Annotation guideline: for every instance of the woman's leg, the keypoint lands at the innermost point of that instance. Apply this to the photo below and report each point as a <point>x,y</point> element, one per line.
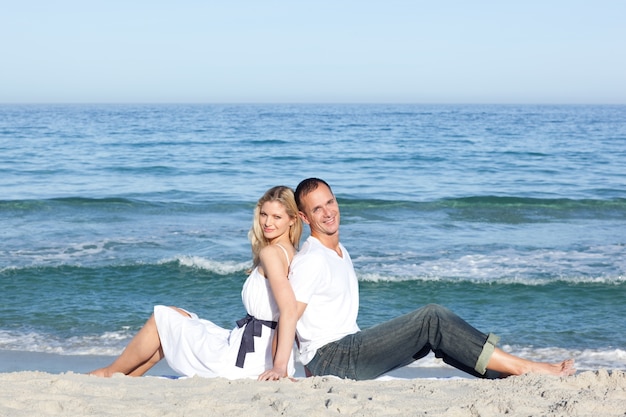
<point>145,367</point>
<point>142,353</point>
<point>139,355</point>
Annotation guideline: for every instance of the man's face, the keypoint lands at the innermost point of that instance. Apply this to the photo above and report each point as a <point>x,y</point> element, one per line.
<point>321,212</point>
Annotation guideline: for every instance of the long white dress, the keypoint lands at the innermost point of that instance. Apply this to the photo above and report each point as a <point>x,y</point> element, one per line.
<point>194,346</point>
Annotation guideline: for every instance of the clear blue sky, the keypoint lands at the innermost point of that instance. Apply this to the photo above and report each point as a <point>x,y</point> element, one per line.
<point>500,51</point>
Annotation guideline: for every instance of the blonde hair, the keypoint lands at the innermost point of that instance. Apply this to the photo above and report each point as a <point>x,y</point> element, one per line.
<point>285,196</point>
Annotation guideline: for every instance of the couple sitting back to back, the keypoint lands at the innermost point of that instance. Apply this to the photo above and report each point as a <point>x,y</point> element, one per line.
<point>313,297</point>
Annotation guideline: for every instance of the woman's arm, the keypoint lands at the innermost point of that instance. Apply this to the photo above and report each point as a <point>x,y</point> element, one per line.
<point>275,268</point>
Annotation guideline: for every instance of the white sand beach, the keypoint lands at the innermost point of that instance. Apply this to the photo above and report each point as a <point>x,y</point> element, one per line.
<point>33,393</point>
<point>44,384</point>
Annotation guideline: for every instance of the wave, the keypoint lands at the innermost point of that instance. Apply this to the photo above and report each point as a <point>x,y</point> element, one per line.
<point>586,359</point>
<point>112,344</point>
<point>508,201</point>
<point>619,280</point>
<point>108,343</point>
<point>170,202</point>
<point>68,202</point>
<point>595,265</point>
<point>61,254</point>
<point>603,264</point>
<point>348,201</point>
<point>482,201</point>
<point>504,210</point>
<point>226,267</point>
<point>217,267</point>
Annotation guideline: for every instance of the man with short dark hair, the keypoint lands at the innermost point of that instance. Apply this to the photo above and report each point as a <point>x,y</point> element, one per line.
<point>327,292</point>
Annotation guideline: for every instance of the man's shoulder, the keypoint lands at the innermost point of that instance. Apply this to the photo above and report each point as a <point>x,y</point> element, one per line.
<point>311,247</point>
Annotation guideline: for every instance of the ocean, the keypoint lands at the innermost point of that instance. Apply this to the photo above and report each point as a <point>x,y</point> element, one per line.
<point>513,216</point>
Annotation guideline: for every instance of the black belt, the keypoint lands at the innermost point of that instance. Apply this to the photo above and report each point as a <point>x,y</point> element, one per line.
<point>253,328</point>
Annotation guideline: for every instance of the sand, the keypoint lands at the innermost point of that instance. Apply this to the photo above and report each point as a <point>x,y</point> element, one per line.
<point>33,393</point>
<point>45,384</point>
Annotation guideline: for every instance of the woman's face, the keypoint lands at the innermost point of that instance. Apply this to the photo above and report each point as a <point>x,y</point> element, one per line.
<point>274,220</point>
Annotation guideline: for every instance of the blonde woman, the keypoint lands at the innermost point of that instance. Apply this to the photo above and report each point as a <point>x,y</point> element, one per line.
<point>258,347</point>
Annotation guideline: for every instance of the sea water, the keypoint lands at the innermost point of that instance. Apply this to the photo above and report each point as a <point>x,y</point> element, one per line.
<point>513,216</point>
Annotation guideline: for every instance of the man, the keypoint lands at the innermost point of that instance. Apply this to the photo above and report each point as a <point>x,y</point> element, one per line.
<point>331,343</point>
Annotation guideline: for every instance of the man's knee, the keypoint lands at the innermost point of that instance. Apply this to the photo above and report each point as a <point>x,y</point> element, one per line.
<point>435,310</point>
<point>434,313</point>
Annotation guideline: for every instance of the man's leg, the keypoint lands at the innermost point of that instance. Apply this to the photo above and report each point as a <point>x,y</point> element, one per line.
<point>398,342</point>
<point>412,336</point>
<point>507,364</point>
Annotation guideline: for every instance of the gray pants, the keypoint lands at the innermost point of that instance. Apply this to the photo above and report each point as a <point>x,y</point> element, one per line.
<point>398,342</point>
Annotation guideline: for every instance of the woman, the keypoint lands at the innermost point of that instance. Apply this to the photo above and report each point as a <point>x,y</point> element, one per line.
<point>257,347</point>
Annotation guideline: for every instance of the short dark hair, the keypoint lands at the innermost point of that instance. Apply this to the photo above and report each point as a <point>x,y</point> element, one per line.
<point>305,187</point>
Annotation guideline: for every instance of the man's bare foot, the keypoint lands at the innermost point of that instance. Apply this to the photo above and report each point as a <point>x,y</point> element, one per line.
<point>506,365</point>
<point>565,368</point>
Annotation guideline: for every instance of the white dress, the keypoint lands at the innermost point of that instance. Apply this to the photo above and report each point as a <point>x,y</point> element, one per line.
<point>194,346</point>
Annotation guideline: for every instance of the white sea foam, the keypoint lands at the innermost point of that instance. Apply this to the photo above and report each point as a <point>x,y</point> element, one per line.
<point>108,343</point>
<point>506,266</point>
<point>112,344</point>
<point>219,267</point>
<point>587,359</point>
<point>72,253</point>
<point>381,277</point>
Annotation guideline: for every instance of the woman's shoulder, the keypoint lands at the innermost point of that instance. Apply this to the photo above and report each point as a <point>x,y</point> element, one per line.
<point>281,251</point>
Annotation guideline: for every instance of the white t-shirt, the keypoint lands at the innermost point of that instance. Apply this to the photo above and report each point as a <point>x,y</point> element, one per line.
<point>328,285</point>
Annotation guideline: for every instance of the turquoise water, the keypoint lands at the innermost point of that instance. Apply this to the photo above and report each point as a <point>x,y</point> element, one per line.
<point>513,216</point>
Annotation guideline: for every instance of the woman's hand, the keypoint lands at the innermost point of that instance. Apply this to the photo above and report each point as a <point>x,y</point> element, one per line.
<point>274,374</point>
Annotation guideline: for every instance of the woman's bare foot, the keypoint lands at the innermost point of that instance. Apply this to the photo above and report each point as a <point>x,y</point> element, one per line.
<point>99,372</point>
